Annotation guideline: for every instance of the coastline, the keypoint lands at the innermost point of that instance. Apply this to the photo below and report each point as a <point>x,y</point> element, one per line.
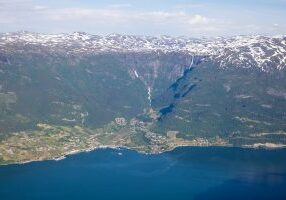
<point>266,146</point>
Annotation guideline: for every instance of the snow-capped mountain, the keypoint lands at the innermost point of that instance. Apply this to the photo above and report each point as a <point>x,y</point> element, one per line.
<point>263,52</point>
<point>198,88</point>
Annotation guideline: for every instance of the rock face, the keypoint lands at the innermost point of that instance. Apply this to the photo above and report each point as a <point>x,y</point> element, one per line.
<point>230,88</point>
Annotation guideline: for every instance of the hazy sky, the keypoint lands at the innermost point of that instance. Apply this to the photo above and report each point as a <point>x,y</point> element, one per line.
<point>149,17</point>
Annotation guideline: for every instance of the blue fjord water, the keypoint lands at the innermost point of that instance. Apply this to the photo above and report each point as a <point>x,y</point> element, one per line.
<point>185,173</point>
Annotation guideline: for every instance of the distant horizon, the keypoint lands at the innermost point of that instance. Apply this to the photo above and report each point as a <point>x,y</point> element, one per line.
<point>208,18</point>
<point>142,35</point>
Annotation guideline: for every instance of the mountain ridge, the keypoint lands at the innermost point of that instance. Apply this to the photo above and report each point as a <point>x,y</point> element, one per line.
<point>263,52</point>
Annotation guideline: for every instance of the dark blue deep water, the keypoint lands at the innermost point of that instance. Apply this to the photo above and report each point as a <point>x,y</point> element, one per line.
<point>185,173</point>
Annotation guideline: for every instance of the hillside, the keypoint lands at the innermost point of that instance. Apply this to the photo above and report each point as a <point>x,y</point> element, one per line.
<point>71,92</point>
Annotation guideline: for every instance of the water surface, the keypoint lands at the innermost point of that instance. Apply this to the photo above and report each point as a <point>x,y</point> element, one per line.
<point>185,173</point>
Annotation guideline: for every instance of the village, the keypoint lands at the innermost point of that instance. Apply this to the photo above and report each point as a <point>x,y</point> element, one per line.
<point>54,142</point>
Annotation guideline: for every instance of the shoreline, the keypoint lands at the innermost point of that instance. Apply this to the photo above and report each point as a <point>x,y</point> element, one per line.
<point>266,146</point>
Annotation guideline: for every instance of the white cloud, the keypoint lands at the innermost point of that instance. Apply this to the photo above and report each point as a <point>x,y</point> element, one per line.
<point>124,5</point>
<point>188,19</point>
<point>39,8</point>
<point>109,19</point>
<point>199,20</point>
<point>129,21</point>
<point>118,15</point>
<point>188,6</point>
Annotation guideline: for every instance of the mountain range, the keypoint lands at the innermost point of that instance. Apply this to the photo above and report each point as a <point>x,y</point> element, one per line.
<point>146,93</point>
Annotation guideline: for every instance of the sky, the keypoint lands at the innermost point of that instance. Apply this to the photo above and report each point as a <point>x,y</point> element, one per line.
<point>192,18</point>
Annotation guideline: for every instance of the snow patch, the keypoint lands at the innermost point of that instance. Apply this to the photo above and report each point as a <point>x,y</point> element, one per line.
<point>241,51</point>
